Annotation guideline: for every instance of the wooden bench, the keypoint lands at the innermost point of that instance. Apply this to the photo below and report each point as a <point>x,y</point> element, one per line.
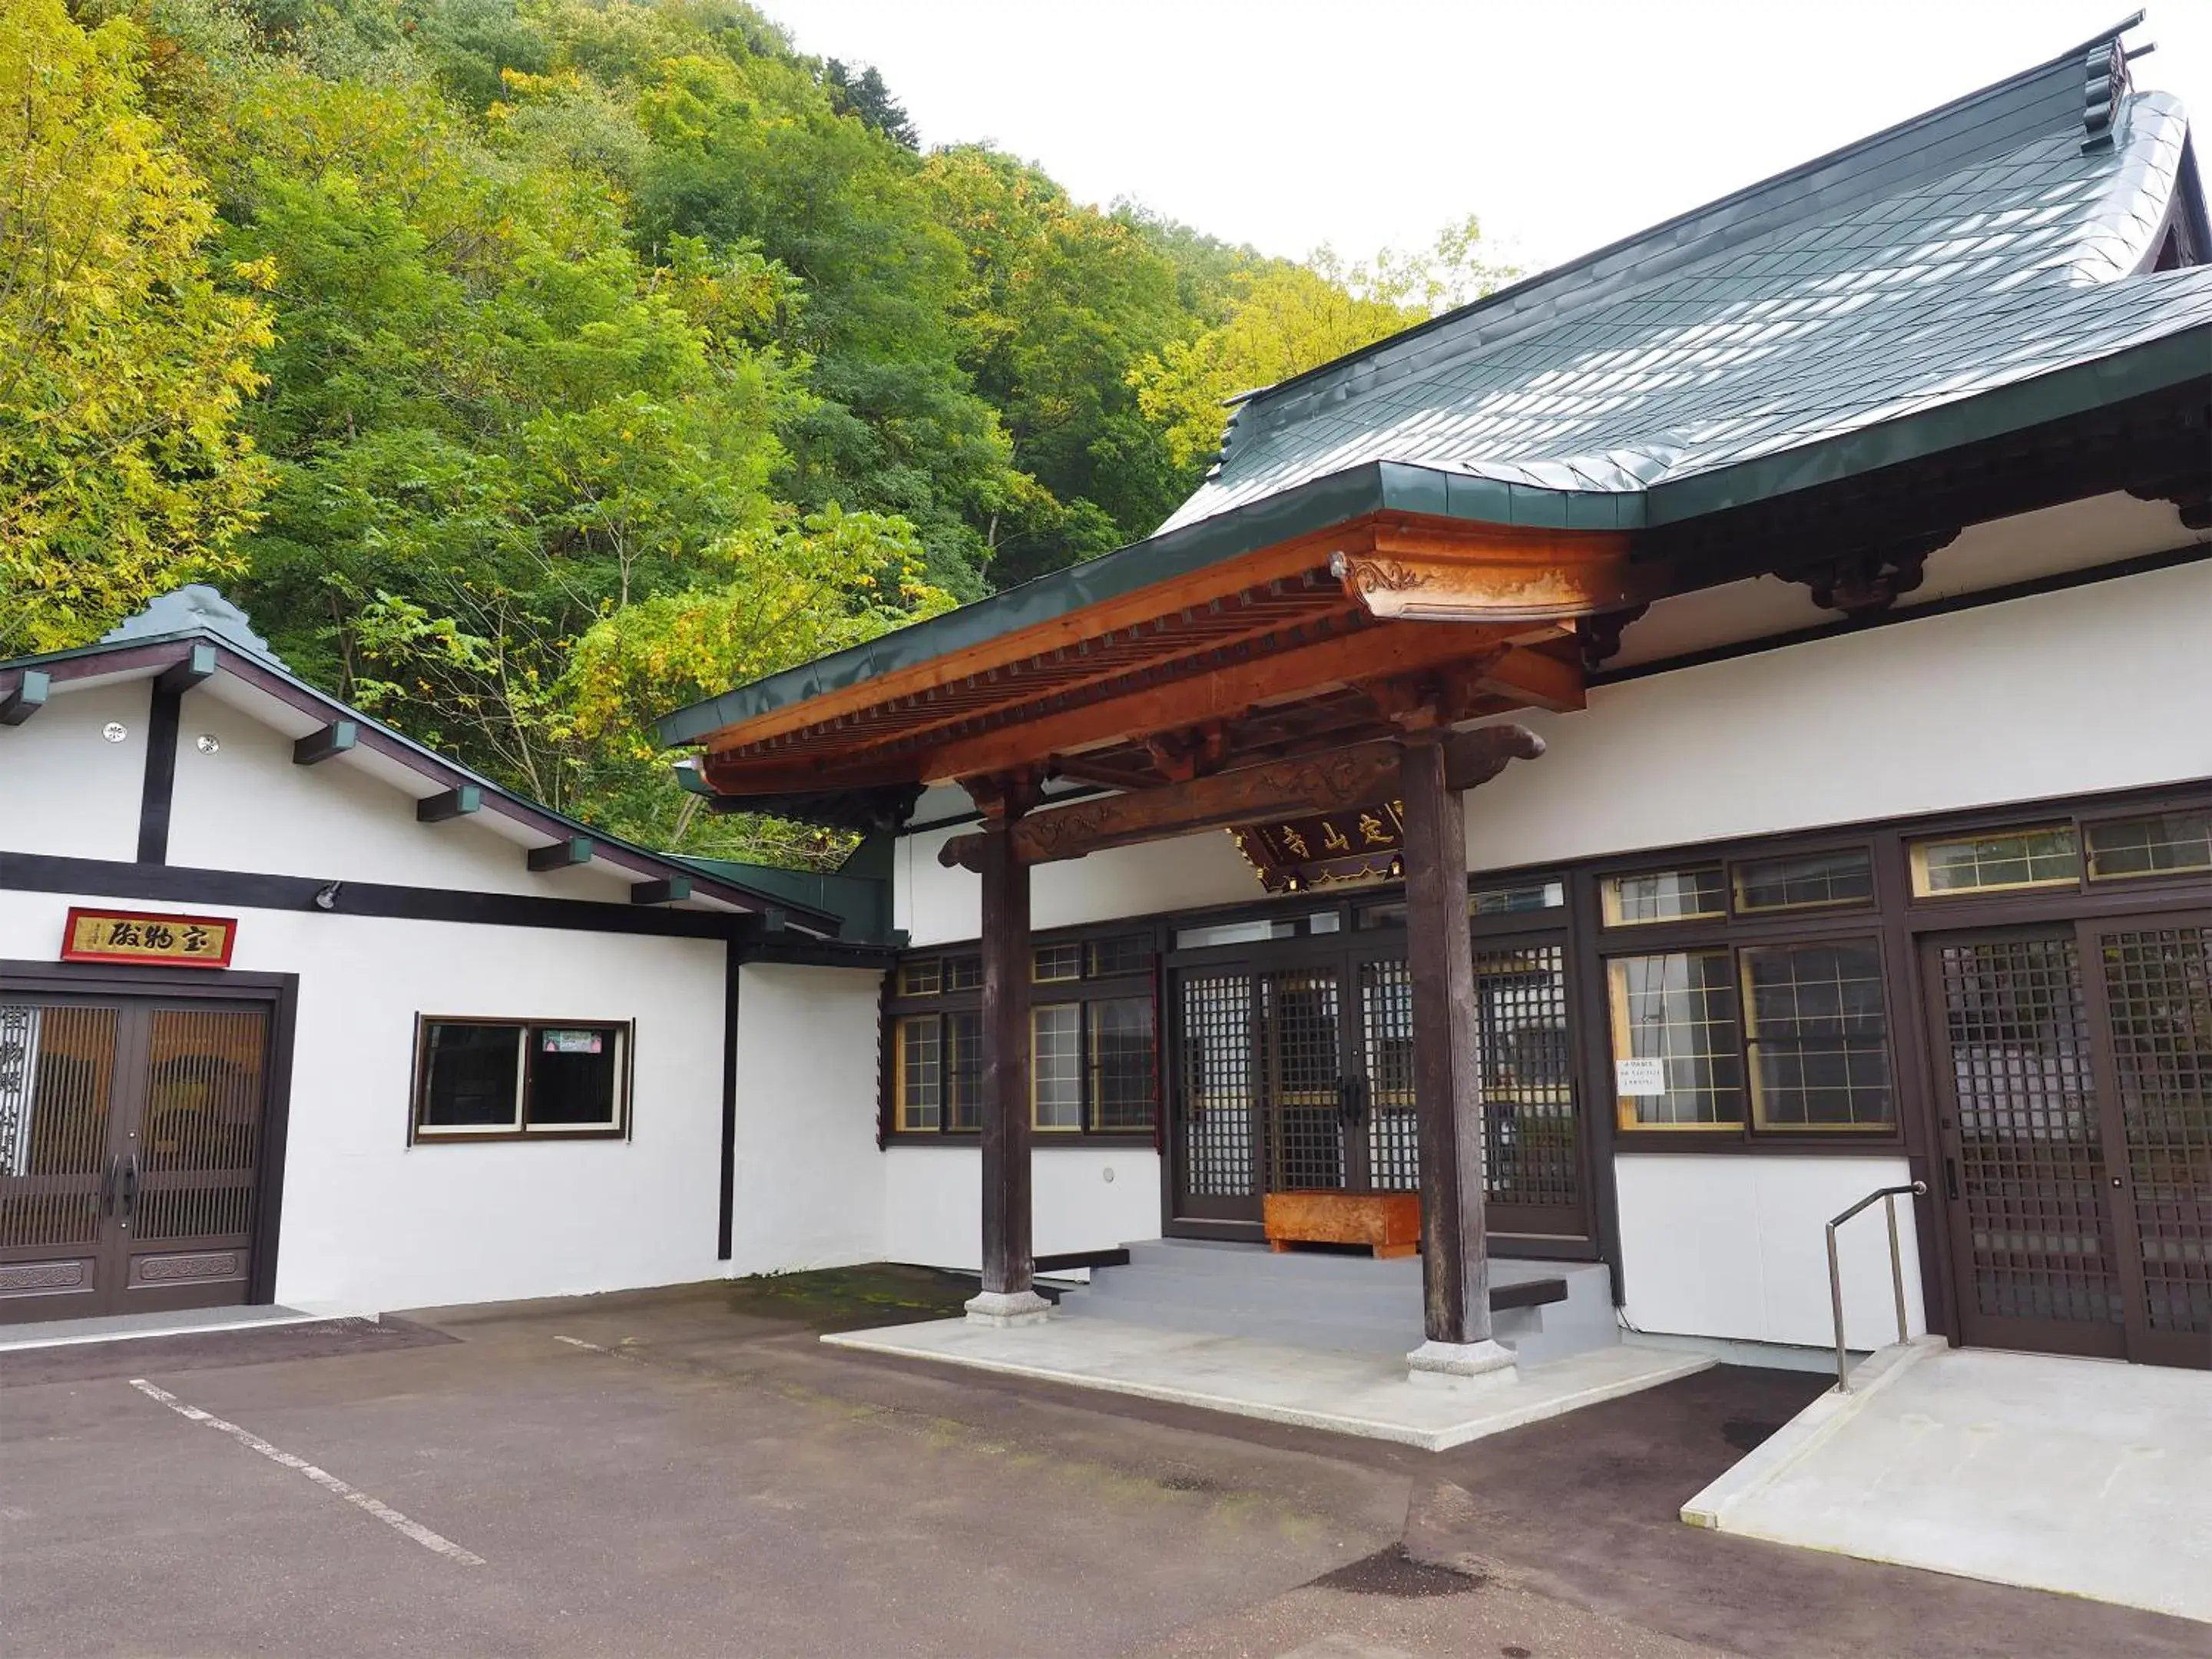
<point>1389,1223</point>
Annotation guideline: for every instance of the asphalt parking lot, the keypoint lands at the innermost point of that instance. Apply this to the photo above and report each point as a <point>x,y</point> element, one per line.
<point>691,1472</point>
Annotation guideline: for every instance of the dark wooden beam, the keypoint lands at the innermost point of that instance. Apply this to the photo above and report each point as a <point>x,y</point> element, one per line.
<point>1447,1084</point>
<point>1084,770</point>
<point>319,746</point>
<point>1007,1297</point>
<point>672,891</point>
<point>561,854</point>
<point>25,697</point>
<point>1327,782</point>
<point>452,804</point>
<point>188,671</point>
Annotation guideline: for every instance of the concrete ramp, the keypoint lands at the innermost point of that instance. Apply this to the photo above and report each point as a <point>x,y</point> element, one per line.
<point>2087,1477</point>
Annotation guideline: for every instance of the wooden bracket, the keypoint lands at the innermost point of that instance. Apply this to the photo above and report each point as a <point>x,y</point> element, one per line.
<point>574,850</point>
<point>1196,752</point>
<point>196,664</point>
<point>1006,795</point>
<point>672,891</point>
<point>319,746</point>
<point>452,804</point>
<point>25,697</point>
<point>1599,636</point>
<point>1865,583</point>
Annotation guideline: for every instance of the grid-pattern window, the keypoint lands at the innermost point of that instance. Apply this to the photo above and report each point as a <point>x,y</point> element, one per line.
<point>919,1086</point>
<point>2169,843</point>
<point>1665,896</point>
<point>1679,1009</point>
<point>1054,963</point>
<point>963,973</point>
<point>1808,881</point>
<point>1056,1065</point>
<point>1123,954</point>
<point>1518,901</point>
<point>2016,858</point>
<point>963,1054</point>
<point>1817,1036</point>
<point>922,977</point>
<point>1124,1064</point>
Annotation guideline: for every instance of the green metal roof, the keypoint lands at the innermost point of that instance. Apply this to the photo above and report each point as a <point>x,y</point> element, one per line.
<point>1974,271</point>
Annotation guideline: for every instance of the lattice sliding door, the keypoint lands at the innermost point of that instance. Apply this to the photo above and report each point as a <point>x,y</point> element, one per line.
<point>2158,1004</point>
<point>2038,1263</point>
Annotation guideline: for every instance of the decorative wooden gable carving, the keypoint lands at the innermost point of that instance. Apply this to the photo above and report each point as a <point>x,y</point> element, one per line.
<point>1363,843</point>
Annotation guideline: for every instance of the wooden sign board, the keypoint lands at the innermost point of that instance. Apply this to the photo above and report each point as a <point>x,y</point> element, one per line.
<point>1296,855</point>
<point>135,936</point>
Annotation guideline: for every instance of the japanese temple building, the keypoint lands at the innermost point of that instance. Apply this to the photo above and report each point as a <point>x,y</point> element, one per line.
<point>1639,762</point>
<point>1591,786</point>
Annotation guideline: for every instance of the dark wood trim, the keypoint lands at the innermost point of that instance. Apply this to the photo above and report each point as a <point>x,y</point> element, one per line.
<point>673,890</point>
<point>726,1179</point>
<point>2058,582</point>
<point>197,664</point>
<point>280,994</point>
<point>1072,1259</point>
<point>165,713</point>
<point>562,854</point>
<point>1006,1139</point>
<point>456,803</point>
<point>231,888</point>
<point>1041,1140</point>
<point>331,741</point>
<point>25,697</point>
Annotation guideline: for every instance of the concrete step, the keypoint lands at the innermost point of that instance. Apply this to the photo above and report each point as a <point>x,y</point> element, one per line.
<point>1326,1299</point>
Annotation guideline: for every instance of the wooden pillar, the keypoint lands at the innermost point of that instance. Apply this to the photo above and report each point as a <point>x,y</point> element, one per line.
<point>1447,1086</point>
<point>1007,1298</point>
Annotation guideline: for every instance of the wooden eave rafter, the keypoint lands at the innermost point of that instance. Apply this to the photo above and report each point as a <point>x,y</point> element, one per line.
<point>1359,606</point>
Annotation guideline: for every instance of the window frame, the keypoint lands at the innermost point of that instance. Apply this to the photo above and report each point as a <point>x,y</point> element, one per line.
<point>625,1078</point>
<point>1083,991</point>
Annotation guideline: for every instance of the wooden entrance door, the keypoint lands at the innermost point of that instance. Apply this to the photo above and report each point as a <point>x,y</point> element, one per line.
<point>130,1135</point>
<point>2074,1079</point>
<point>1532,1132</point>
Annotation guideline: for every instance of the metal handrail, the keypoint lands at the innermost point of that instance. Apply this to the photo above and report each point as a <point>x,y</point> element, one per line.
<point>1890,1195</point>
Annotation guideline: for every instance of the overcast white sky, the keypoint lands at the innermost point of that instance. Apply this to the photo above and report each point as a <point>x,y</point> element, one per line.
<point>1565,124</point>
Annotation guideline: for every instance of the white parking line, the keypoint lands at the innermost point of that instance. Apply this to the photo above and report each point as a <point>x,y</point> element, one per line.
<point>323,1478</point>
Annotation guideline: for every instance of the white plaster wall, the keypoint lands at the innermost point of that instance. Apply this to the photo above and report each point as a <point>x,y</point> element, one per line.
<point>808,1189</point>
<point>2108,686</point>
<point>371,1223</point>
<point>65,791</point>
<point>934,1195</point>
<point>1736,1246</point>
<point>247,806</point>
<point>937,905</point>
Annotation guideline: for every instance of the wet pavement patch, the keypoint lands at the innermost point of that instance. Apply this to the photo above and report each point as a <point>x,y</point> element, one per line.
<point>1746,1434</point>
<point>1393,1572</point>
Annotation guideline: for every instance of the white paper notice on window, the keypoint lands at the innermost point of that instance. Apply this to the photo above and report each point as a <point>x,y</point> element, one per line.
<point>1646,1074</point>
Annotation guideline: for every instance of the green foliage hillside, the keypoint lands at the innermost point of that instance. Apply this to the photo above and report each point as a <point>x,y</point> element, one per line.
<point>528,366</point>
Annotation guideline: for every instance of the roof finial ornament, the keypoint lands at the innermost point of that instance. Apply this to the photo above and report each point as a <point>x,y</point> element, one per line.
<point>2106,84</point>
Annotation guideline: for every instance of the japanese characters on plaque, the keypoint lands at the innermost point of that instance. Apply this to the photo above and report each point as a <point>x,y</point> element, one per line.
<point>1361,843</point>
<point>142,936</point>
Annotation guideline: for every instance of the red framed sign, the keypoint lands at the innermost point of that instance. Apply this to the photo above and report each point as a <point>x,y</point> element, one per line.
<point>137,936</point>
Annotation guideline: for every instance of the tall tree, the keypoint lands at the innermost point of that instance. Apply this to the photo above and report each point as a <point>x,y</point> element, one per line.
<point>124,469</point>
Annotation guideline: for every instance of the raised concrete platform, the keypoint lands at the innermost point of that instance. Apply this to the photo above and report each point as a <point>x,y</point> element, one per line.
<point>1310,1388</point>
<point>1329,1299</point>
<point>2087,1477</point>
<point>119,1327</point>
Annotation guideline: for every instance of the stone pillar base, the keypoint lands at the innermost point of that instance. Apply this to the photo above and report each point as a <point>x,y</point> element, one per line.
<point>1461,1367</point>
<point>1006,1309</point>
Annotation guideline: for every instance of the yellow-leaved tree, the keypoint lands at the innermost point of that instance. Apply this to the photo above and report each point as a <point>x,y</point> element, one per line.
<point>122,365</point>
<point>1285,319</point>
